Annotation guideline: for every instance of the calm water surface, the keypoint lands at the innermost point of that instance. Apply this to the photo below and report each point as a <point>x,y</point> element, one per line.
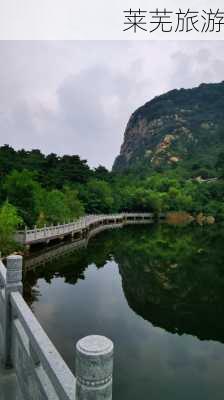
<point>157,292</point>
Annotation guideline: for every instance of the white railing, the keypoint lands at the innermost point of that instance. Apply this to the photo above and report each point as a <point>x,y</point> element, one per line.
<point>84,223</point>
<point>41,372</point>
<point>59,250</point>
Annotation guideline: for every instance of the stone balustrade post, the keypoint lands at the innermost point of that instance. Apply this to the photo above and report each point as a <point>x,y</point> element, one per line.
<point>13,284</point>
<point>94,367</point>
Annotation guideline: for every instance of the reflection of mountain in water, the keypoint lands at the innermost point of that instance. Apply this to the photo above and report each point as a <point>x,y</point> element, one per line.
<point>171,276</point>
<point>187,309</point>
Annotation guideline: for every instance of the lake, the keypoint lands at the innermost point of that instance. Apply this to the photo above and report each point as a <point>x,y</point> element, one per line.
<point>158,292</point>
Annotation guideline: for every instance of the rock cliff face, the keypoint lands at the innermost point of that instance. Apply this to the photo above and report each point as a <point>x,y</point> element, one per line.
<point>183,125</point>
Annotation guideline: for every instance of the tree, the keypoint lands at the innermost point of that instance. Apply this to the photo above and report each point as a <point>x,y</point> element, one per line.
<point>72,201</point>
<point>102,173</point>
<point>8,157</point>
<point>9,222</point>
<point>97,197</point>
<point>142,200</point>
<point>54,208</point>
<point>21,190</point>
<point>178,200</point>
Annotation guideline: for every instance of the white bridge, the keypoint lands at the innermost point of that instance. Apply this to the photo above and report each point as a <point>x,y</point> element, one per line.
<point>80,228</point>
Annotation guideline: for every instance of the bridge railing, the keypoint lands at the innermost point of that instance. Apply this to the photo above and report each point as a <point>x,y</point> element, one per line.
<point>41,372</point>
<point>48,232</point>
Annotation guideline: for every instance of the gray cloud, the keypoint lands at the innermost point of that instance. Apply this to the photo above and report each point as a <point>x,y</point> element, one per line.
<point>76,97</point>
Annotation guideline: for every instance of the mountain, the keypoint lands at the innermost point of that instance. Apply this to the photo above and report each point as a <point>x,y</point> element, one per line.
<point>179,128</point>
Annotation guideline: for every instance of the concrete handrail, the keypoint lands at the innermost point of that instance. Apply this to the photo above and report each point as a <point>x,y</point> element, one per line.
<point>41,371</point>
<point>46,354</point>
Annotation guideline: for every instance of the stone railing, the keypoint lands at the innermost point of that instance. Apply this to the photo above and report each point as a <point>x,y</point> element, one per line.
<point>81,226</point>
<point>58,250</point>
<point>40,370</point>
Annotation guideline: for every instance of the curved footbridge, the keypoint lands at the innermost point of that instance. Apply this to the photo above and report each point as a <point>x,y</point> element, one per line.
<point>82,228</point>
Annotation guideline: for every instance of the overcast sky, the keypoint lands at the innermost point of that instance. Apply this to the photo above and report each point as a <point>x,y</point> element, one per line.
<point>76,97</point>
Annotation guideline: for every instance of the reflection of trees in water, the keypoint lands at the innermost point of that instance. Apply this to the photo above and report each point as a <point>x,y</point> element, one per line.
<point>70,267</point>
<point>171,276</point>
<point>175,279</point>
<point>30,290</point>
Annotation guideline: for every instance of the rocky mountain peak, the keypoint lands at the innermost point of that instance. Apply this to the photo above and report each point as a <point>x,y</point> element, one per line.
<point>174,127</point>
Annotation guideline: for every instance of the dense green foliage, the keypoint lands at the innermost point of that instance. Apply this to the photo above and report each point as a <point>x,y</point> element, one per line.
<point>9,222</point>
<point>51,189</point>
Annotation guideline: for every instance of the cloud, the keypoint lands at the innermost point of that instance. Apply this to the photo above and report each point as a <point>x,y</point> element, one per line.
<point>93,106</point>
<point>77,97</point>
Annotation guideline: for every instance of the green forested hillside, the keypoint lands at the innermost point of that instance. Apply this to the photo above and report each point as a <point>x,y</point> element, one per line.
<point>182,129</point>
<point>172,159</point>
